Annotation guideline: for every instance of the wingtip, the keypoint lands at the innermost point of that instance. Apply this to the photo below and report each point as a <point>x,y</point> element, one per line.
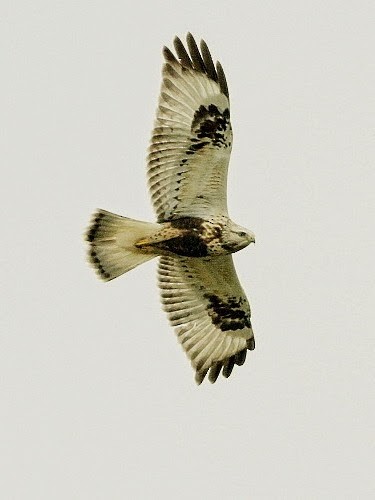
<point>168,54</point>
<point>197,58</point>
<point>250,344</point>
<point>240,357</point>
<point>224,366</point>
<point>200,375</point>
<point>228,366</point>
<point>222,79</point>
<point>214,372</point>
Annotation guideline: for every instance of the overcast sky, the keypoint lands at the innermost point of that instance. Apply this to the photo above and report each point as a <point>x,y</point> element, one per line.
<point>98,400</point>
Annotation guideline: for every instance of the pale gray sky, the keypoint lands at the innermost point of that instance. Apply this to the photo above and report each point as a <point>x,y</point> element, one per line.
<point>98,399</point>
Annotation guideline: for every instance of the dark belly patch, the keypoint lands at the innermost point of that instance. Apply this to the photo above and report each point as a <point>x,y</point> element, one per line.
<point>187,245</point>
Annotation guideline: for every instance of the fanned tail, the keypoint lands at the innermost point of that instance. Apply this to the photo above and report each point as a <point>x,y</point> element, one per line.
<point>111,240</point>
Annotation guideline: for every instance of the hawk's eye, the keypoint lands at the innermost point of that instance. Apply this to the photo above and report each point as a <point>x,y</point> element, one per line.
<point>242,234</point>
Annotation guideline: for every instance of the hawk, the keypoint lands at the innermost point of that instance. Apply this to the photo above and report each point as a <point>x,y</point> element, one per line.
<point>193,237</point>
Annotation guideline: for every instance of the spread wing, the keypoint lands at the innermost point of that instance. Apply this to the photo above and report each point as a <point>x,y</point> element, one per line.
<point>192,138</point>
<point>205,302</point>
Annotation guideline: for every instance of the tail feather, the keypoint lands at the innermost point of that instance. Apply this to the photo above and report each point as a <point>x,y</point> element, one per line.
<point>111,238</point>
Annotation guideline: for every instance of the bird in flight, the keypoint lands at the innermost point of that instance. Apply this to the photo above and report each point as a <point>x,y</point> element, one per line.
<point>193,237</point>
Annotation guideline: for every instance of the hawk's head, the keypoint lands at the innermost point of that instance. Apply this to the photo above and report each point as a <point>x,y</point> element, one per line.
<point>238,238</point>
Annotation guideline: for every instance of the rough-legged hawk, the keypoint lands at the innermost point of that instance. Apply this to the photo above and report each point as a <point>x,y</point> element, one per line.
<point>193,236</point>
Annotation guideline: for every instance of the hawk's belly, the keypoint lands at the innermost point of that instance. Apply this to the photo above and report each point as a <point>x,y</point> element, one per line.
<point>187,245</point>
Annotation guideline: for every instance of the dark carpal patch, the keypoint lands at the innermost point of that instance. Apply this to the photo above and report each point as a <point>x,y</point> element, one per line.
<point>210,123</point>
<point>228,314</point>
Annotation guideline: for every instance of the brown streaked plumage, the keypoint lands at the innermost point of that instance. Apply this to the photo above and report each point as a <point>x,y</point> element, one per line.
<point>193,236</point>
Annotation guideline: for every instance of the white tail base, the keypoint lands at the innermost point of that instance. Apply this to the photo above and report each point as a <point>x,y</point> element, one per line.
<point>112,238</point>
